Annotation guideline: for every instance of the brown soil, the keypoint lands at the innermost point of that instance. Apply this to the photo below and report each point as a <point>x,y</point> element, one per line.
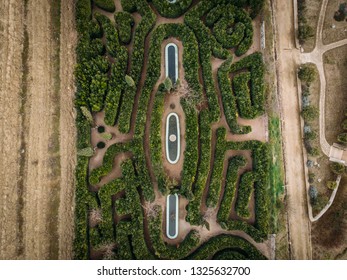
<point>329,234</point>
<point>313,8</point>
<point>330,34</point>
<point>37,225</point>
<point>11,184</point>
<point>298,222</point>
<point>335,68</point>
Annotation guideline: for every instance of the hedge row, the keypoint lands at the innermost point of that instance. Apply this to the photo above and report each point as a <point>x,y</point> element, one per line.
<point>124,22</point>
<point>191,152</point>
<point>164,251</point>
<point>240,87</point>
<point>232,27</point>
<point>222,242</point>
<point>244,193</point>
<point>234,164</point>
<point>229,254</point>
<point>229,101</point>
<point>124,229</point>
<point>137,59</point>
<point>155,140</point>
<point>255,65</point>
<point>171,10</point>
<point>107,5</point>
<point>194,215</point>
<point>108,160</point>
<point>207,45</point>
<point>214,190</point>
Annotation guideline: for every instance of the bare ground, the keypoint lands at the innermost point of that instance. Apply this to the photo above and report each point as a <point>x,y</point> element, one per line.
<point>11,47</point>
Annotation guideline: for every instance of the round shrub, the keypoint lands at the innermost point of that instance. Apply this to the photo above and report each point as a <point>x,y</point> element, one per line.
<point>100,145</point>
<point>101,129</point>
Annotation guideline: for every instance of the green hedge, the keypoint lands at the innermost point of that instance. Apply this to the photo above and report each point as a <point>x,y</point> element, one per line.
<point>171,10</point>
<point>214,190</point>
<point>124,22</point>
<point>194,215</point>
<point>244,193</point>
<point>107,5</point>
<point>222,242</point>
<point>137,59</point>
<point>234,164</point>
<point>229,101</point>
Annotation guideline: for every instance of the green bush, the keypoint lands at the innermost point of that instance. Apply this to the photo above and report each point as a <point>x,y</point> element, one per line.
<point>124,22</point>
<point>309,113</point>
<point>244,195</point>
<point>342,137</point>
<point>171,10</point>
<point>307,73</point>
<point>337,168</point>
<point>344,125</point>
<point>107,5</point>
<point>234,164</point>
<point>331,185</point>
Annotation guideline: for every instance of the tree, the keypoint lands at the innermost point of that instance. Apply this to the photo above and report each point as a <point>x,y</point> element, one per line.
<point>313,151</point>
<point>310,135</point>
<point>331,185</point>
<point>130,81</point>
<point>168,84</point>
<point>313,193</point>
<point>305,32</point>
<point>106,136</point>
<point>86,152</point>
<point>307,73</point>
<point>309,113</point>
<point>342,137</point>
<point>337,168</point>
<point>87,114</point>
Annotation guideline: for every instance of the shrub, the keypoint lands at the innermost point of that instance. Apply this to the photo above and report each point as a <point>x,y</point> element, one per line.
<point>311,177</point>
<point>86,152</point>
<point>310,135</point>
<point>106,136</point>
<point>337,168</point>
<point>305,32</point>
<point>124,22</point>
<point>313,193</point>
<point>342,137</point>
<point>107,5</point>
<point>168,84</point>
<point>307,73</point>
<point>309,113</point>
<point>344,124</point>
<point>100,145</point>
<point>171,10</point>
<point>130,81</point>
<point>101,129</point>
<point>244,195</point>
<point>331,185</point>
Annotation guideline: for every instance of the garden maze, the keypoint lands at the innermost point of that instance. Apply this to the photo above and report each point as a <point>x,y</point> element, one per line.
<point>122,100</point>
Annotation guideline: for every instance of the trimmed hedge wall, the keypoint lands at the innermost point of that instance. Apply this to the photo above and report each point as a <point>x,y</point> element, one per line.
<point>107,5</point>
<point>234,164</point>
<point>222,242</point>
<point>124,22</point>
<point>194,215</point>
<point>214,190</point>
<point>244,195</point>
<point>171,10</point>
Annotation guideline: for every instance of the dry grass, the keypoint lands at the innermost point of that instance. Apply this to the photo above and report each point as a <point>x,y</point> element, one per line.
<point>330,34</point>
<point>335,67</point>
<point>313,9</point>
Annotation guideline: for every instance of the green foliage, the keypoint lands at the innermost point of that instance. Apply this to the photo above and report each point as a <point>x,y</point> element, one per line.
<point>331,185</point>
<point>107,5</point>
<point>305,32</point>
<point>130,81</point>
<point>86,113</point>
<point>168,84</point>
<point>217,171</point>
<point>124,22</point>
<point>307,73</point>
<point>86,152</point>
<point>342,137</point>
<point>244,195</point>
<point>171,10</point>
<point>309,113</point>
<point>310,135</point>
<point>106,136</point>
<point>234,164</point>
<point>313,193</point>
<point>344,124</point>
<point>337,168</point>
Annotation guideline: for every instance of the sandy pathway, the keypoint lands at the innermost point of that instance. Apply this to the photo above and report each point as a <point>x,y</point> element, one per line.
<point>68,40</point>
<point>299,225</point>
<point>42,164</point>
<point>11,46</point>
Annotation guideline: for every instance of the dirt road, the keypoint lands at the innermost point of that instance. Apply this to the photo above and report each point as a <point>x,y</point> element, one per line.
<point>299,226</point>
<point>36,205</point>
<point>11,46</point>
